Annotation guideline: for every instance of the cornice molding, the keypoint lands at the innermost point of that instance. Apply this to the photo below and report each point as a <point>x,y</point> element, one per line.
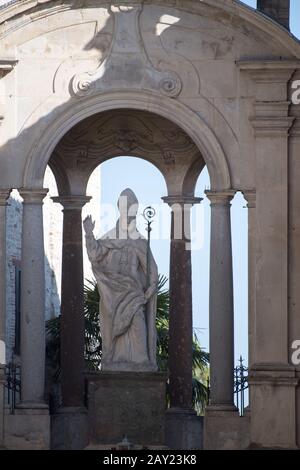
<point>271,126</point>
<point>260,65</point>
<point>278,72</point>
<point>6,66</point>
<point>272,108</point>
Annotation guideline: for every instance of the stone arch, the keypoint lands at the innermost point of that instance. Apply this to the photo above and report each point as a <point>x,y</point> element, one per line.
<point>129,132</point>
<point>185,118</point>
<point>15,12</point>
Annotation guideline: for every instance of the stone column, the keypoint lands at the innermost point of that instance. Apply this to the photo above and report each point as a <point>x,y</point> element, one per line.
<point>72,299</point>
<point>70,423</point>
<point>222,424</point>
<point>33,300</point>
<point>4,194</point>
<point>221,311</point>
<point>250,197</point>
<point>181,413</point>
<point>181,312</point>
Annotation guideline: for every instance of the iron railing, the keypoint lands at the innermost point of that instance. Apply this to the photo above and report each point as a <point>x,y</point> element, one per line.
<point>240,385</point>
<point>13,385</point>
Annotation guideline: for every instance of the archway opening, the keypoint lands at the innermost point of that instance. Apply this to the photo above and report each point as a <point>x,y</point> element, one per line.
<point>99,140</point>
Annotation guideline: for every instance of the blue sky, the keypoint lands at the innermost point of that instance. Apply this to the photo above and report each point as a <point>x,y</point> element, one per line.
<point>148,183</point>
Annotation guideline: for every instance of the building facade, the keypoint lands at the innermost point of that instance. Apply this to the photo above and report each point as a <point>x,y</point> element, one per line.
<point>184,85</point>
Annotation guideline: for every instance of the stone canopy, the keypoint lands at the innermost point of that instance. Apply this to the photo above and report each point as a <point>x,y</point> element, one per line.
<point>183,84</point>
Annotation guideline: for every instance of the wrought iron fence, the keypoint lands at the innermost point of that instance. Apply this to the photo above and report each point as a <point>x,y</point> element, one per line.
<point>13,385</point>
<point>240,385</point>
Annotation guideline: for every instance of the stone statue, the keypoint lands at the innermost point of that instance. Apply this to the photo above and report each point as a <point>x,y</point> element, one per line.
<point>127,304</point>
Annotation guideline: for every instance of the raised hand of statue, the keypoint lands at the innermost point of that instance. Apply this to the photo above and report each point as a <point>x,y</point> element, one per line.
<point>88,225</point>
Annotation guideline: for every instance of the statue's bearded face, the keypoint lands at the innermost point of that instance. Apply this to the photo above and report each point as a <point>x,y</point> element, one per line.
<point>128,205</point>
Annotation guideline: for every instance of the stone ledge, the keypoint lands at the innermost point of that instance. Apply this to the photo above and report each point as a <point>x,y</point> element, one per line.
<point>120,375</point>
<point>272,371</point>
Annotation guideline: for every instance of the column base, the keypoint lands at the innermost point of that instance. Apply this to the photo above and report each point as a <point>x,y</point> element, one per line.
<point>225,429</point>
<point>27,429</point>
<point>184,429</point>
<point>273,406</point>
<point>69,429</point>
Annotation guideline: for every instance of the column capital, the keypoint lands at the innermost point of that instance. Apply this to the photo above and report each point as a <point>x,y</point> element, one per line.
<point>272,126</point>
<point>250,196</point>
<point>182,200</point>
<point>271,118</point>
<point>72,202</point>
<point>4,195</point>
<point>268,72</point>
<point>220,197</point>
<point>33,196</point>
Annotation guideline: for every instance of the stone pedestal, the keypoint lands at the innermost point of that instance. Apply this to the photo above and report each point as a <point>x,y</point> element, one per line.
<point>27,429</point>
<point>273,395</point>
<point>69,429</point>
<point>184,429</point>
<point>225,429</point>
<point>130,404</point>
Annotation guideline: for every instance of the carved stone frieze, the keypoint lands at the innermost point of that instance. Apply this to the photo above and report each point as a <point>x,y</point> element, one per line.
<point>126,64</point>
<point>118,133</point>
